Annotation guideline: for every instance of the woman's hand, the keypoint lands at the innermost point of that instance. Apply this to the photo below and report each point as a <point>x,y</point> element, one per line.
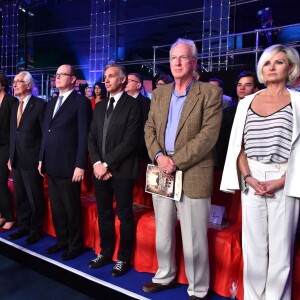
<point>259,188</point>
<point>271,186</point>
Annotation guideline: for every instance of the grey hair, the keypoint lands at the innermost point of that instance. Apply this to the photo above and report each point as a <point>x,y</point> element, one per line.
<point>122,72</point>
<point>28,78</point>
<point>191,44</point>
<point>292,56</point>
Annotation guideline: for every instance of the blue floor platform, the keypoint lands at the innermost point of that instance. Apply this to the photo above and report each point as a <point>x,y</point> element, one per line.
<point>75,274</point>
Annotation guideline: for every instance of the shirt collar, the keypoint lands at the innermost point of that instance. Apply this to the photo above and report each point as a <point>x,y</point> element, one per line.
<point>66,94</point>
<point>186,91</point>
<point>117,96</point>
<point>26,100</point>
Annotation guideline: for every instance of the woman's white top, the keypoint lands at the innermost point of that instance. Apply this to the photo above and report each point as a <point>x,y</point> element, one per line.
<point>268,139</point>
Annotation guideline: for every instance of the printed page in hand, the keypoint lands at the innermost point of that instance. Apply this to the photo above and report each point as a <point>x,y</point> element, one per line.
<point>158,183</point>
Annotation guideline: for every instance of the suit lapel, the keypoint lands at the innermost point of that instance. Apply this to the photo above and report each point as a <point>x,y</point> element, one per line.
<point>64,105</point>
<point>165,106</point>
<point>27,110</point>
<point>188,106</point>
<point>101,118</point>
<point>14,113</point>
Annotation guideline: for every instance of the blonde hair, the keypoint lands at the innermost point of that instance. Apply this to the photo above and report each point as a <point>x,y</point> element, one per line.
<point>292,56</point>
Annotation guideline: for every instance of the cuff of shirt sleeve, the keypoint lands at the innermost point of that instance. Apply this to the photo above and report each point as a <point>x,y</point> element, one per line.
<point>99,162</point>
<point>158,154</point>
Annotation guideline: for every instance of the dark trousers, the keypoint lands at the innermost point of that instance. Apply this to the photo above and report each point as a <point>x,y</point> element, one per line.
<point>29,199</point>
<point>6,207</point>
<point>123,190</point>
<point>66,211</point>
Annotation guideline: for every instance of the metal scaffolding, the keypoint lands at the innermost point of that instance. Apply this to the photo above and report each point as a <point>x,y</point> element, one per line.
<point>99,38</point>
<point>247,53</point>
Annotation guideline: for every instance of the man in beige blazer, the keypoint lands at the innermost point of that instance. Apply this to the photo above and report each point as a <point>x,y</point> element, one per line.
<point>181,131</point>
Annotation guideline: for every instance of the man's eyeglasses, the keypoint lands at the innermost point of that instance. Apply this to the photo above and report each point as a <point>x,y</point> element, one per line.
<point>18,81</point>
<point>62,75</point>
<point>131,80</point>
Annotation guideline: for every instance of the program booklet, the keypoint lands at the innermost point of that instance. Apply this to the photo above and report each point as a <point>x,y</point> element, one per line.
<point>159,183</point>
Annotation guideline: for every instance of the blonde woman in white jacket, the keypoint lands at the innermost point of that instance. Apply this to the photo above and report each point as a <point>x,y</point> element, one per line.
<point>262,162</point>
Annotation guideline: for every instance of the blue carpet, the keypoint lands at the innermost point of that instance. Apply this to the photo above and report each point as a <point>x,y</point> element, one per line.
<point>18,282</point>
<point>129,284</point>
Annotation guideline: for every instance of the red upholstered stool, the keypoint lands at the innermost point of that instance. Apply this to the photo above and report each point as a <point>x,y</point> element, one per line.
<point>225,259</point>
<point>296,273</point>
<point>89,220</point>
<point>11,186</point>
<point>225,246</point>
<point>139,194</point>
<point>87,185</point>
<point>145,259</point>
<point>225,254</point>
<point>48,222</point>
<point>11,189</point>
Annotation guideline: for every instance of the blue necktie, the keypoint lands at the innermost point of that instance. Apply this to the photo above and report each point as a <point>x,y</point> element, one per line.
<point>60,98</point>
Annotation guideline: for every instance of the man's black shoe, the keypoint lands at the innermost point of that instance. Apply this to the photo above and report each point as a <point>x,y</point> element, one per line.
<point>34,238</point>
<point>152,287</point>
<point>17,235</point>
<point>56,248</point>
<point>70,254</point>
<point>99,262</point>
<point>120,268</point>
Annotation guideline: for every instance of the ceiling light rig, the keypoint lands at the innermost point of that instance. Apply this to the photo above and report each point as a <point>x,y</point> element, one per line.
<point>265,17</point>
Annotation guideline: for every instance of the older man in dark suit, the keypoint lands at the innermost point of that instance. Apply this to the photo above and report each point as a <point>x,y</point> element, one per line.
<point>63,156</point>
<point>181,131</point>
<point>25,139</point>
<point>113,140</point>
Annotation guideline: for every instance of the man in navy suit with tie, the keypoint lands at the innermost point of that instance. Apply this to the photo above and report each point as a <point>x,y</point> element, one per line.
<point>63,157</point>
<point>25,139</point>
<point>114,138</point>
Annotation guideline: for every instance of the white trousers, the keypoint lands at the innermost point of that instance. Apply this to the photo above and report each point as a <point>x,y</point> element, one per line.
<point>194,215</point>
<point>268,235</point>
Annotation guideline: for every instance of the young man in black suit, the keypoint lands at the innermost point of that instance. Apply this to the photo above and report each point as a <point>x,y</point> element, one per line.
<point>113,146</point>
<point>63,157</point>
<point>25,139</point>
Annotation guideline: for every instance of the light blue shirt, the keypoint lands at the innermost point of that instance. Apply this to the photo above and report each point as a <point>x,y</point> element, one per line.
<point>176,105</point>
